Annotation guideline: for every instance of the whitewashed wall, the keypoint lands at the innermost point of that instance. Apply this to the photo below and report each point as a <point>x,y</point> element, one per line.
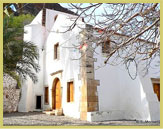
<point>45,38</point>
<point>67,61</point>
<point>123,97</point>
<point>35,34</point>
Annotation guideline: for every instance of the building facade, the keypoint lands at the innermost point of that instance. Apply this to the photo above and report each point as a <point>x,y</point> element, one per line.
<point>69,78</point>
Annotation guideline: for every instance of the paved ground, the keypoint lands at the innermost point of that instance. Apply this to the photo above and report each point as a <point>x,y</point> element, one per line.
<point>40,119</point>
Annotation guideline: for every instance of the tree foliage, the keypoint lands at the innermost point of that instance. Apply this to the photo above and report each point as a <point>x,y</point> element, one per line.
<point>19,57</point>
<point>132,29</point>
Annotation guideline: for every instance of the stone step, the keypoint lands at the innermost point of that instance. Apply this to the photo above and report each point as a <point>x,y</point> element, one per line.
<point>58,112</point>
<point>49,112</point>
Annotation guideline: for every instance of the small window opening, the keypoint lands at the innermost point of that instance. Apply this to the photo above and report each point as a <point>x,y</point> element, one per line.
<point>55,18</point>
<point>56,51</point>
<point>106,47</point>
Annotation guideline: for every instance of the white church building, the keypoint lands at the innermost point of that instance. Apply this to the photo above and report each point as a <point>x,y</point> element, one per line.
<point>70,80</point>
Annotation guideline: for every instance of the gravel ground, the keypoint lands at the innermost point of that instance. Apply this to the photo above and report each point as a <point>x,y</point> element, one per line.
<point>40,119</point>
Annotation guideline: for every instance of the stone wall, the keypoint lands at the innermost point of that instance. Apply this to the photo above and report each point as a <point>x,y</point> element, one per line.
<point>10,94</point>
<point>89,95</point>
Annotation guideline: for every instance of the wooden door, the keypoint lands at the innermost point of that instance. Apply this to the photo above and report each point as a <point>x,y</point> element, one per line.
<point>56,95</point>
<point>156,88</point>
<point>38,102</point>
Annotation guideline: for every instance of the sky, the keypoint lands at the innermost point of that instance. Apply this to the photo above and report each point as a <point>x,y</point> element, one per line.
<point>98,11</point>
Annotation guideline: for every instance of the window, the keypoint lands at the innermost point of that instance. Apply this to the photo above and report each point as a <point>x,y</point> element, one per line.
<point>55,18</point>
<point>156,86</point>
<point>70,92</point>
<point>106,47</point>
<point>46,95</point>
<point>56,51</point>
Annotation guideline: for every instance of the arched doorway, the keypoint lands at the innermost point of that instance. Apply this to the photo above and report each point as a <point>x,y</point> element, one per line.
<point>56,94</point>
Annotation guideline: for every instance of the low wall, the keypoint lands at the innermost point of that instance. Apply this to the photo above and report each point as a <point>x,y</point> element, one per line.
<point>10,94</point>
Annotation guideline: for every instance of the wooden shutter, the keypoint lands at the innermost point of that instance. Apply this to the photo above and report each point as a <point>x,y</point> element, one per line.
<point>46,95</point>
<point>70,92</point>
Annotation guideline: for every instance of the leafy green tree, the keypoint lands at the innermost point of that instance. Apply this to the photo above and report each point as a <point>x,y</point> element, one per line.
<point>19,57</point>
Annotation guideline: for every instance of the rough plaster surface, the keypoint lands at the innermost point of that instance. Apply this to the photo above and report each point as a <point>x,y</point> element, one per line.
<point>10,94</point>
